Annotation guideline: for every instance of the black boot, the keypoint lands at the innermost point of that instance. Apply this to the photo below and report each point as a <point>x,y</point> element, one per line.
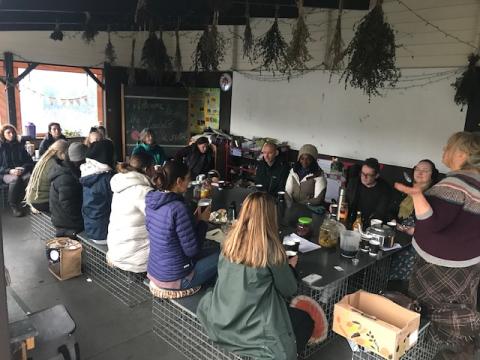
<point>17,211</point>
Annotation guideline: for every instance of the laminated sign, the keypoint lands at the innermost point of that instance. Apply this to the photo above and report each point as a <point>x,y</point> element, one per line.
<point>377,324</point>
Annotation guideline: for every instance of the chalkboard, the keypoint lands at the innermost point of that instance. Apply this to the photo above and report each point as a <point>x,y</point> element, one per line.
<point>167,116</point>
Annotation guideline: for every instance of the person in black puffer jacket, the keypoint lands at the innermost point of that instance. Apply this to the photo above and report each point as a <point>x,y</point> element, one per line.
<point>15,167</point>
<point>65,198</point>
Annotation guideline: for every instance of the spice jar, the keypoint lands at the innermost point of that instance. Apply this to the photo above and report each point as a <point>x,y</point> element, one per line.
<point>304,228</point>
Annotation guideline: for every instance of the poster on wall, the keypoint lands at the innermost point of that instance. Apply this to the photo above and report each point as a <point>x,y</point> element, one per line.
<point>204,109</point>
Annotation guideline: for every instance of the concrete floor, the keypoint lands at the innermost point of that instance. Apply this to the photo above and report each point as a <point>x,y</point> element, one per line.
<point>106,329</point>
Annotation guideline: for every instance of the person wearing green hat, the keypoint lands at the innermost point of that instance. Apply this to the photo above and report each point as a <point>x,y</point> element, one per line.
<point>306,183</point>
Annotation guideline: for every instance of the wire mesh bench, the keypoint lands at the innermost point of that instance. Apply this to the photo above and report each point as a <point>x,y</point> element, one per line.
<point>424,349</point>
<point>128,287</point>
<point>175,321</point>
<point>42,226</point>
<point>4,196</point>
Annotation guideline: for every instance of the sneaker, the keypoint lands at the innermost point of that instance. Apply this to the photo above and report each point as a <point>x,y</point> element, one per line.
<point>17,212</point>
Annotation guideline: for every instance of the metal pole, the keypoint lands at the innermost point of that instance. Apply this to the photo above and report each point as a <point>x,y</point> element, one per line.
<point>4,332</point>
<point>10,79</point>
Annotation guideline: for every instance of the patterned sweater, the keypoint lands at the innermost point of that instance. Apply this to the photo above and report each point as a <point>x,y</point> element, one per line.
<point>449,234</point>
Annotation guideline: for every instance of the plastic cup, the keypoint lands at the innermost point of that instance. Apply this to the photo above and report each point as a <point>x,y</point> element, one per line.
<point>291,253</point>
<point>349,243</point>
<point>203,204</point>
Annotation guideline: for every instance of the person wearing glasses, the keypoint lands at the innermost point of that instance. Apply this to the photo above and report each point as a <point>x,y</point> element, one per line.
<point>368,193</point>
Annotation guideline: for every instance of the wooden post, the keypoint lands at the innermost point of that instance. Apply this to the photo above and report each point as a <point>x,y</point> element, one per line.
<point>10,80</point>
<point>4,332</point>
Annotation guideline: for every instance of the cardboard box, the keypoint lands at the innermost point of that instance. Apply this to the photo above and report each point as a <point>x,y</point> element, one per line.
<point>376,323</point>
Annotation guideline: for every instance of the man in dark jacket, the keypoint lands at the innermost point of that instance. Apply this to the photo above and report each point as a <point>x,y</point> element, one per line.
<point>271,172</point>
<point>368,193</point>
<point>54,134</point>
<point>199,157</point>
<point>65,198</point>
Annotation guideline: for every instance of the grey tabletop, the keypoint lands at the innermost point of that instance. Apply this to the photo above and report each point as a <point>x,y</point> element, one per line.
<point>322,261</point>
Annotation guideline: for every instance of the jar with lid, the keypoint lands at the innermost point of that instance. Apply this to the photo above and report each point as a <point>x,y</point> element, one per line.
<point>304,227</point>
<point>328,236</point>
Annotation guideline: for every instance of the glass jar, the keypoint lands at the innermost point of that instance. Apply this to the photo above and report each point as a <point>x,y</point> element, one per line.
<point>328,236</point>
<point>304,227</point>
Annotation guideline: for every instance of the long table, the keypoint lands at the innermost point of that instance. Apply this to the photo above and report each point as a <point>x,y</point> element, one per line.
<point>339,275</point>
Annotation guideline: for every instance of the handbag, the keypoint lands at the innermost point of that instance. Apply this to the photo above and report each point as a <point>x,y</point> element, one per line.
<point>402,300</point>
<point>64,257</point>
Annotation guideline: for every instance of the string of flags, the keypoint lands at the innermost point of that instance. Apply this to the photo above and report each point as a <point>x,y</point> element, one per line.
<point>59,101</point>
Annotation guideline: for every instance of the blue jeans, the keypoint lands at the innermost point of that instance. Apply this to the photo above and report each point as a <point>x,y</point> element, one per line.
<point>204,270</point>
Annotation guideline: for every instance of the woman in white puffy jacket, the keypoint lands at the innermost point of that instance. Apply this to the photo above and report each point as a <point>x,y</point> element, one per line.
<point>306,183</point>
<point>127,239</point>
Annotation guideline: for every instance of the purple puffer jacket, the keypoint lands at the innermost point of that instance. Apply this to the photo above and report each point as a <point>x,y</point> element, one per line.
<point>174,239</point>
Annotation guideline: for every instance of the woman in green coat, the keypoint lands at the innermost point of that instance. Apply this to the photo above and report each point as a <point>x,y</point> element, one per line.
<point>247,312</point>
<point>148,145</point>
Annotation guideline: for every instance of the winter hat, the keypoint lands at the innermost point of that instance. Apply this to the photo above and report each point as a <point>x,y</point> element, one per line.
<point>308,149</point>
<point>77,151</point>
<point>101,151</point>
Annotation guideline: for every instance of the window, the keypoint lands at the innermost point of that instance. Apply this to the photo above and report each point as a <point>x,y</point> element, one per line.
<point>69,98</point>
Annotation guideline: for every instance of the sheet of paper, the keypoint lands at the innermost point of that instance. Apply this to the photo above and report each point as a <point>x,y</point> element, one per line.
<point>305,245</point>
<point>215,235</point>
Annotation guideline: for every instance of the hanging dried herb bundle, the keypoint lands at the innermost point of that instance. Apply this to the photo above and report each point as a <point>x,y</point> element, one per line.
<point>298,54</point>
<point>141,15</point>
<point>178,57</point>
<point>131,69</point>
<point>334,60</point>
<point>57,34</point>
<point>149,55</point>
<point>210,50</point>
<point>467,84</point>
<point>371,54</point>
<point>272,49</point>
<point>110,54</point>
<point>89,31</point>
<point>248,42</point>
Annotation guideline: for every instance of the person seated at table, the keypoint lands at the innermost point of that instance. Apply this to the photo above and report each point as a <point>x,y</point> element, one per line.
<point>306,183</point>
<point>96,174</point>
<point>271,173</point>
<point>15,167</point>
<point>199,157</point>
<point>176,261</point>
<point>148,145</point>
<point>65,196</point>
<point>425,175</point>
<point>93,136</point>
<point>54,133</point>
<point>127,238</point>
<point>38,188</point>
<point>446,273</point>
<point>247,311</point>
<point>368,193</point>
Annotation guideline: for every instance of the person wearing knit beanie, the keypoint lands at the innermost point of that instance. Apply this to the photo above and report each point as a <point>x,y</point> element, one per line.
<point>306,183</point>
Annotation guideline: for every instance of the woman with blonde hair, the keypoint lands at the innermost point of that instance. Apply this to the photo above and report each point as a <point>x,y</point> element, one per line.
<point>247,312</point>
<point>38,188</point>
<point>446,273</point>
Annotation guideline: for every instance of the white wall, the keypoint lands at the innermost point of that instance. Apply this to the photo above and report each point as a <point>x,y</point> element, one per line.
<point>400,128</point>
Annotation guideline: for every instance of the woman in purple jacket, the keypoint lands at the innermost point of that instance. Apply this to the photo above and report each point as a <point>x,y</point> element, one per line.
<point>175,261</point>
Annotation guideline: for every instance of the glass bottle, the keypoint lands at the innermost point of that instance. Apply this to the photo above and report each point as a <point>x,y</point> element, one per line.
<point>342,214</point>
<point>328,236</point>
<point>358,224</point>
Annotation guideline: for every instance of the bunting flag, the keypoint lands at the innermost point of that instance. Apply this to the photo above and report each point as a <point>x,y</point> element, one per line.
<point>76,101</point>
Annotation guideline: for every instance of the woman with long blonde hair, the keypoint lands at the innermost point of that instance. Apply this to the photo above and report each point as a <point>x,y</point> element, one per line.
<point>38,189</point>
<point>247,312</point>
